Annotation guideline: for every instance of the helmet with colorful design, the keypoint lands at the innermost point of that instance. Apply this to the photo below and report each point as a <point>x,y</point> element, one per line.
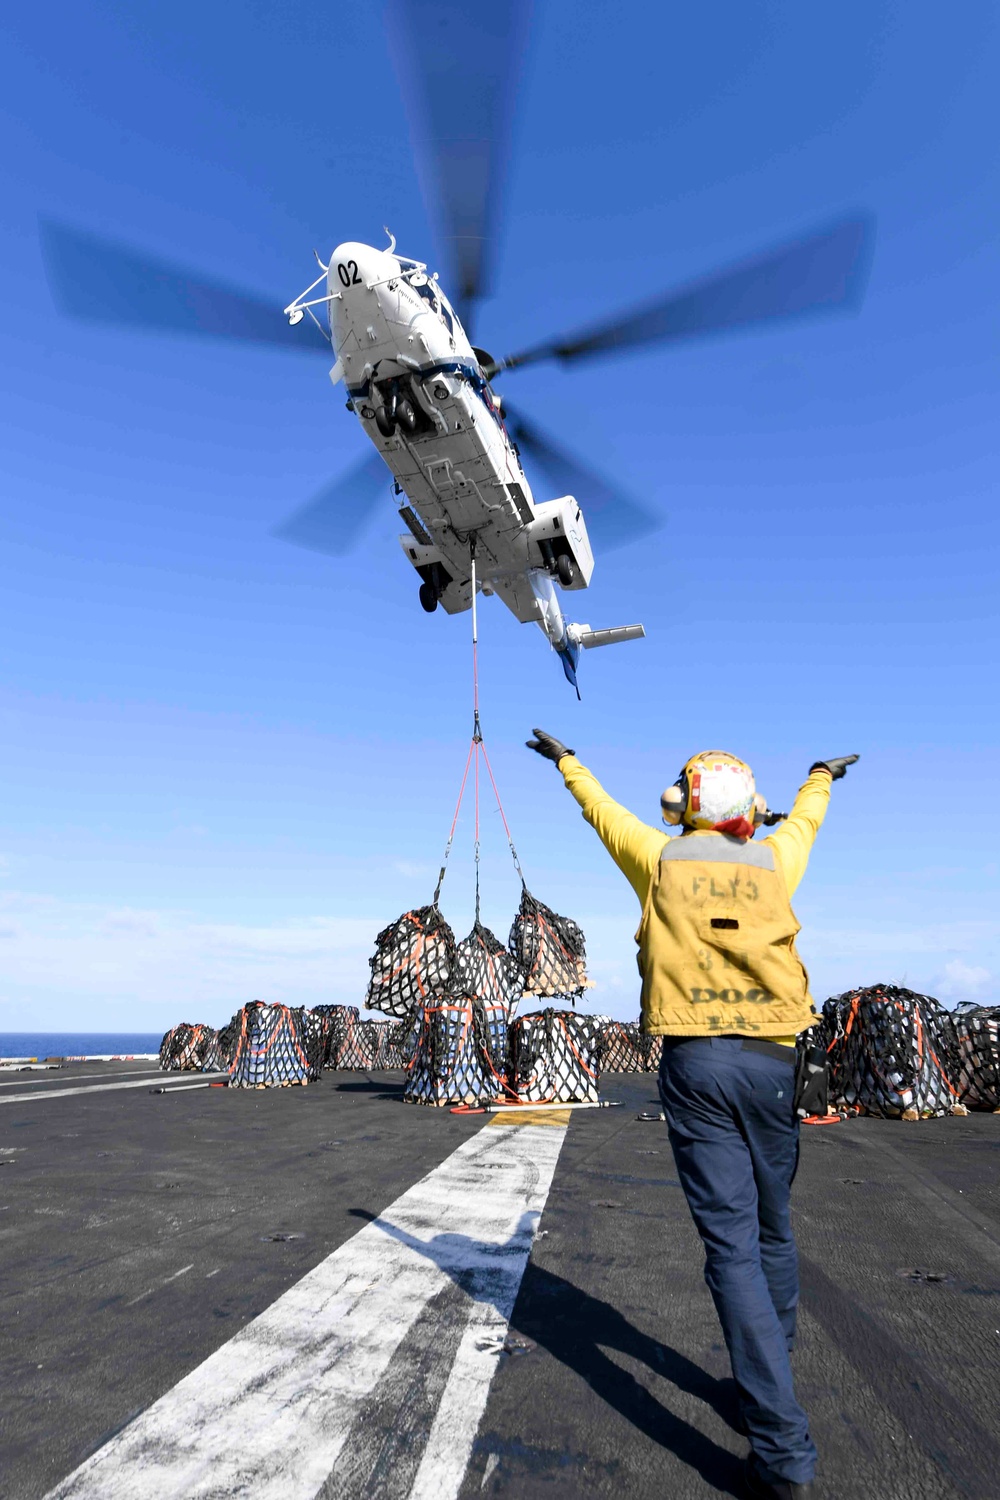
<point>715,791</point>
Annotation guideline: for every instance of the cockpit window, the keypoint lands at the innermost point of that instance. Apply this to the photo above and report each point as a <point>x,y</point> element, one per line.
<point>430,293</point>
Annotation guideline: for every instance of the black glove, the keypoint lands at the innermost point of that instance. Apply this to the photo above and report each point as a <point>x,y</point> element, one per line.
<point>546,745</point>
<point>837,767</point>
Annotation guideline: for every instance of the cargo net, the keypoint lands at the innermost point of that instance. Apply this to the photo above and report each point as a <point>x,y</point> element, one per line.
<point>191,1049</point>
<point>889,1051</point>
<point>412,963</point>
<point>554,1057</point>
<point>623,1047</point>
<point>451,1063</point>
<point>550,950</point>
<point>356,1047</point>
<point>339,1019</point>
<point>652,1051</point>
<point>401,1042</point>
<point>486,970</point>
<point>274,1047</point>
<point>976,1055</point>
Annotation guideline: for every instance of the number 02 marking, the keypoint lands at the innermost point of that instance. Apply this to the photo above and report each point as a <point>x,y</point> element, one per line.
<point>348,274</point>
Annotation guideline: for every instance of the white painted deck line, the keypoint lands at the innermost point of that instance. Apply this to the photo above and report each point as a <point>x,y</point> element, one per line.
<point>13,1083</point>
<point>267,1415</point>
<point>102,1088</point>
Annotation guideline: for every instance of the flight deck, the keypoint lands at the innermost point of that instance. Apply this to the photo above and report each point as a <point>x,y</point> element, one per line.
<point>325,1292</point>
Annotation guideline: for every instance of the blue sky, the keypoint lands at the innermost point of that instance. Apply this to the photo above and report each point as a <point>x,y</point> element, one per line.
<point>226,763</point>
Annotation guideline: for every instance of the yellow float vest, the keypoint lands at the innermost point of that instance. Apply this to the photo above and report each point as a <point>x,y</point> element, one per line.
<point>717,943</point>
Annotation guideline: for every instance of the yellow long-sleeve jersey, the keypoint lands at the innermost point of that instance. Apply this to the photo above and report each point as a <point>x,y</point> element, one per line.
<point>636,846</point>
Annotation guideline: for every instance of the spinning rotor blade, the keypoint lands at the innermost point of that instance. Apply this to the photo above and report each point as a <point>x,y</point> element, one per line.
<point>458,65</point>
<point>614,518</point>
<point>823,273</point>
<point>333,520</point>
<point>107,282</point>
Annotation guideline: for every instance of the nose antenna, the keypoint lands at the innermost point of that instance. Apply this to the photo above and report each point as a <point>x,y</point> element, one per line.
<point>392,238</point>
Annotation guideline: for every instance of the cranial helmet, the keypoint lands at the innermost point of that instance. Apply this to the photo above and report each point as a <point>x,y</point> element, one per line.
<point>716,791</point>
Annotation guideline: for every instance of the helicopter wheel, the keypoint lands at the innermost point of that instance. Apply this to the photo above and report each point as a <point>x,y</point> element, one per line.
<point>406,416</point>
<point>565,570</point>
<point>428,597</point>
<point>384,422</point>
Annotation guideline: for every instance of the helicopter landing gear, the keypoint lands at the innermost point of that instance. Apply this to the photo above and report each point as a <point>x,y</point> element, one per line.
<point>406,416</point>
<point>565,570</point>
<point>384,421</point>
<point>428,598</point>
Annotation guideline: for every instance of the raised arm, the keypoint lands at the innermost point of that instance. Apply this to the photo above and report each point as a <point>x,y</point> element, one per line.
<point>793,841</point>
<point>634,846</point>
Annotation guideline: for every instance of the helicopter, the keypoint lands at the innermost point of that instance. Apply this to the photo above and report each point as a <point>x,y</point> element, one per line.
<point>421,390</point>
<point>422,395</point>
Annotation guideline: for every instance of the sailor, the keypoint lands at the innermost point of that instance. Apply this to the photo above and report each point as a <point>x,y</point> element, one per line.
<point>725,988</point>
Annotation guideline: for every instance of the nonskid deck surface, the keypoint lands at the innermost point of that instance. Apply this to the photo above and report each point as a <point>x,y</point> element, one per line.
<point>304,1291</point>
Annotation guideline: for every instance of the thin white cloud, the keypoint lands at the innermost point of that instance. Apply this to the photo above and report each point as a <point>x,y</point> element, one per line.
<point>962,981</point>
<point>75,963</point>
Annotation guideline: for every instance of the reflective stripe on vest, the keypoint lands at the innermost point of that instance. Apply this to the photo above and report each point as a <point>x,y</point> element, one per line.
<point>717,943</point>
<point>719,849</point>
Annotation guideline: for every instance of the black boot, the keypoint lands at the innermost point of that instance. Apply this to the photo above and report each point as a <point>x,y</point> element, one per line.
<point>761,1488</point>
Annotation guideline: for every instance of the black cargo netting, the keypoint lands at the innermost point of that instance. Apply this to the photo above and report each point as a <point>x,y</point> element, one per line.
<point>378,1034</point>
<point>485,969</point>
<point>412,963</point>
<point>551,951</point>
<point>317,1029</point>
<point>226,1039</point>
<point>190,1049</point>
<point>623,1047</point>
<point>554,1057</point>
<point>339,1021</point>
<point>358,1046</point>
<point>451,1063</point>
<point>976,1055</point>
<point>401,1042</point>
<point>274,1047</point>
<point>652,1051</point>
<point>889,1054</point>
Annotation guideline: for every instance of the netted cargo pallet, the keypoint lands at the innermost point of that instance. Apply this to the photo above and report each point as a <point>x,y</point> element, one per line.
<point>651,1048</point>
<point>401,1042</point>
<point>554,1057</point>
<point>339,1020</point>
<point>190,1048</point>
<point>451,1063</point>
<point>888,1050</point>
<point>358,1047</point>
<point>317,1025</point>
<point>274,1047</point>
<point>628,1049</point>
<point>377,1034</point>
<point>412,963</point>
<point>623,1051</point>
<point>486,970</point>
<point>976,1055</point>
<point>551,951</point>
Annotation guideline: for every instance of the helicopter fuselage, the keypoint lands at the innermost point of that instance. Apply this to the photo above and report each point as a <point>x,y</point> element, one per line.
<point>416,385</point>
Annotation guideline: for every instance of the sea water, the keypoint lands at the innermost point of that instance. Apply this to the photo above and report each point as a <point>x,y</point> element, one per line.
<point>77,1043</point>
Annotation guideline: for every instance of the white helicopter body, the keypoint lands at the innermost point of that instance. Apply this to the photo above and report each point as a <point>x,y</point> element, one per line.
<point>418,389</point>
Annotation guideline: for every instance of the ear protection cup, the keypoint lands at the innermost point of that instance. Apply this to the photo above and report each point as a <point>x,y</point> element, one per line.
<point>673,802</point>
<point>759,809</point>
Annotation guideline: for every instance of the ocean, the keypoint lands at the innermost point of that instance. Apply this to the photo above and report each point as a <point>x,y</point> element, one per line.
<point>77,1043</point>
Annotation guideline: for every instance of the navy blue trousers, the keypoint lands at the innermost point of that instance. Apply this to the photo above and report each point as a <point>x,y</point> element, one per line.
<point>735,1140</point>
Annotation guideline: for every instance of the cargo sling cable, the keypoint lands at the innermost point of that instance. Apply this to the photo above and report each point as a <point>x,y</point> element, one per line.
<point>549,948</point>
<point>476,748</point>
